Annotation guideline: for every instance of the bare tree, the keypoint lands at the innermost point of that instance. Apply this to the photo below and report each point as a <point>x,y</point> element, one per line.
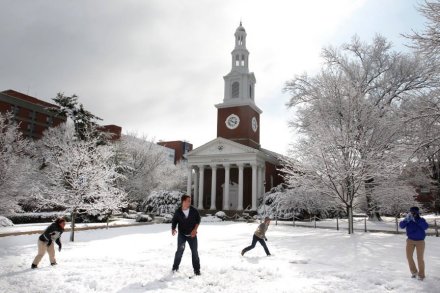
<point>428,41</point>
<point>349,119</point>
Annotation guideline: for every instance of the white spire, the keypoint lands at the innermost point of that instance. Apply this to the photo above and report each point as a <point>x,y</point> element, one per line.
<point>239,83</point>
<point>240,55</point>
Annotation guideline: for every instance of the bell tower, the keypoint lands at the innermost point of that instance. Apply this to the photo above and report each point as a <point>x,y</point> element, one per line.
<point>238,117</point>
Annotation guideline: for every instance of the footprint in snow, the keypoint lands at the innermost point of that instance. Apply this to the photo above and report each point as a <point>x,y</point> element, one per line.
<point>299,261</point>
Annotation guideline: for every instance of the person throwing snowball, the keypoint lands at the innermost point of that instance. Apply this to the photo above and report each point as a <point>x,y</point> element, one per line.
<point>415,230</point>
<point>259,236</point>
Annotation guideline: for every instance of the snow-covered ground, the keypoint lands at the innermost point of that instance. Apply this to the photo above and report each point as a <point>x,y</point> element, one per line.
<point>138,259</point>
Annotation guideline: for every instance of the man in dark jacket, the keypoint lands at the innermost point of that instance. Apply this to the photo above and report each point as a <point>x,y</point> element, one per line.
<point>187,218</point>
<point>46,242</point>
<point>415,230</point>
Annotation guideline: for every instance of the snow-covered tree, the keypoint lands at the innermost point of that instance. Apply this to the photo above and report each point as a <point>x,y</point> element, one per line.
<point>423,135</point>
<point>428,41</point>
<point>146,168</point>
<point>349,121</point>
<point>394,198</point>
<point>293,202</point>
<point>83,120</point>
<point>424,112</point>
<point>81,174</point>
<point>16,165</point>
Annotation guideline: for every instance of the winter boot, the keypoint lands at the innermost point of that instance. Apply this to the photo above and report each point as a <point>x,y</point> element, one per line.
<point>53,264</point>
<point>33,266</point>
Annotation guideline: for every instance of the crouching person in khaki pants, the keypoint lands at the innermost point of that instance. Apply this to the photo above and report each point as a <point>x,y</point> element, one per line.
<point>46,242</point>
<point>415,230</point>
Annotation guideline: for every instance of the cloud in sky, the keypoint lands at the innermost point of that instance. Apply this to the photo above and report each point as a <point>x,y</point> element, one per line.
<point>157,66</point>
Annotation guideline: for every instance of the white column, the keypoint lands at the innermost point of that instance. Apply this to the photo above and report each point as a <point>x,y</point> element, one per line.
<point>202,178</point>
<point>213,186</point>
<point>261,172</point>
<point>263,178</point>
<point>258,181</point>
<point>189,181</point>
<point>196,188</point>
<point>240,187</point>
<point>226,188</point>
<point>254,186</point>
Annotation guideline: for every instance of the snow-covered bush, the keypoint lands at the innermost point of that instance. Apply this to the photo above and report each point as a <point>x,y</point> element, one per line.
<point>5,222</point>
<point>129,215</point>
<point>210,218</point>
<point>30,218</point>
<point>167,218</point>
<point>143,218</point>
<point>221,215</point>
<point>163,202</point>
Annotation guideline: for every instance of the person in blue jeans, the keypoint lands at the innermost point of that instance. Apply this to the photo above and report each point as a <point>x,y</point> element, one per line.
<point>187,220</point>
<point>259,236</point>
<point>415,230</point>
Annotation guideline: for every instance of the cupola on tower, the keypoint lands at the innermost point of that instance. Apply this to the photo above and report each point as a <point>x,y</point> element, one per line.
<point>238,117</point>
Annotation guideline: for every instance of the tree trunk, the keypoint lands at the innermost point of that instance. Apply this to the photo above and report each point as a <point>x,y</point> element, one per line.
<point>350,219</point>
<point>372,210</point>
<point>72,227</point>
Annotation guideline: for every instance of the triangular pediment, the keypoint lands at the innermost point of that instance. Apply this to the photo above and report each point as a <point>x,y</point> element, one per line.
<point>221,146</point>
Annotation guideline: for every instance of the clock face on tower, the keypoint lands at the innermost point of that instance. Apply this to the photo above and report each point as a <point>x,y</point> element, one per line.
<point>232,121</point>
<point>254,124</point>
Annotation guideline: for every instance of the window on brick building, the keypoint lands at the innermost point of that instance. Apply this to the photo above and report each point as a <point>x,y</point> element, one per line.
<point>30,127</point>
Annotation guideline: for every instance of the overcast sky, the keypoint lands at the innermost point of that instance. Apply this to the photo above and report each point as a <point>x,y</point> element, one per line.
<point>157,66</point>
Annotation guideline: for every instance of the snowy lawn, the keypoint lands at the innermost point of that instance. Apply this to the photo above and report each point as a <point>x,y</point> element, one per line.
<point>139,259</point>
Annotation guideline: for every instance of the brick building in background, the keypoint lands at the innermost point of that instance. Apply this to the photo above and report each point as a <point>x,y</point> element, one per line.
<point>114,131</point>
<point>31,113</point>
<point>180,148</point>
<point>34,117</point>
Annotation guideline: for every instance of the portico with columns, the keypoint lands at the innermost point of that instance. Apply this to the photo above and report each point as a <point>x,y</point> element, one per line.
<point>233,171</point>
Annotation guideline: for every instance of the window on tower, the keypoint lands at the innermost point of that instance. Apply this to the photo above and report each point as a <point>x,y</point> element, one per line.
<point>235,89</point>
<point>250,92</point>
<point>242,60</point>
<point>237,60</point>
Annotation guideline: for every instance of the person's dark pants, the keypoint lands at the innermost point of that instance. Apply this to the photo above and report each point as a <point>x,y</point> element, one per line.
<point>192,242</point>
<point>254,241</point>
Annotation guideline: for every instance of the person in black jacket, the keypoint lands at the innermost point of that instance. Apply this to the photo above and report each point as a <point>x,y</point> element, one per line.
<point>46,242</point>
<point>187,218</point>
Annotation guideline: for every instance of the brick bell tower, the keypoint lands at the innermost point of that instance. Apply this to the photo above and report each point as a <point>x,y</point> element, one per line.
<point>238,117</point>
